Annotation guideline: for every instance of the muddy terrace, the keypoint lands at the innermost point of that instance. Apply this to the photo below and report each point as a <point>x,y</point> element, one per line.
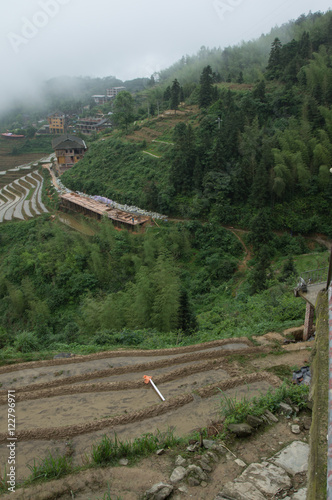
<point>82,398</point>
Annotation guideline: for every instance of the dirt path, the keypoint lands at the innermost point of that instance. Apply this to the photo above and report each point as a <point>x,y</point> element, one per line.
<point>48,166</point>
<point>244,264</point>
<point>154,156</point>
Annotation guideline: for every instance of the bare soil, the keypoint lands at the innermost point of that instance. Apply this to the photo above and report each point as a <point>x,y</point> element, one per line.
<point>162,123</point>
<point>80,399</point>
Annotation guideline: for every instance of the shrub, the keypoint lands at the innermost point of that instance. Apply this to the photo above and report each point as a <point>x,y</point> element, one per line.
<point>26,342</point>
<point>4,338</point>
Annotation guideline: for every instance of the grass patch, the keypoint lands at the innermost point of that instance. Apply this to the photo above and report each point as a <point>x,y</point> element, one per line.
<point>282,371</point>
<point>235,411</point>
<point>30,194</point>
<point>110,450</point>
<point>50,468</point>
<point>307,262</point>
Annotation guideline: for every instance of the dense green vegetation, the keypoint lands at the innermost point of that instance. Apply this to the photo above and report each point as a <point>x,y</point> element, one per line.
<point>38,144</point>
<point>120,171</point>
<point>177,283</point>
<point>248,145</point>
<point>109,450</point>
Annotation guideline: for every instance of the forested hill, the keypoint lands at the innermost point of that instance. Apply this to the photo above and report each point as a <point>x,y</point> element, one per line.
<point>231,148</point>
<point>252,152</point>
<point>251,57</point>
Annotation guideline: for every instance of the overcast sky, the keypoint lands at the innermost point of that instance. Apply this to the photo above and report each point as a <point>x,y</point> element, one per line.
<point>41,39</point>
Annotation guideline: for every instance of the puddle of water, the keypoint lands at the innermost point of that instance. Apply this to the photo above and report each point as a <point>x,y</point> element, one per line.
<point>235,347</point>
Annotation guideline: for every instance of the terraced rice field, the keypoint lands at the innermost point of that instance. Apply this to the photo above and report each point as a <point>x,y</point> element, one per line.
<point>20,193</point>
<point>83,397</point>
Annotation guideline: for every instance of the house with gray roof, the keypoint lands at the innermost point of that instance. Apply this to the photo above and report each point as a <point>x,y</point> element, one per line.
<point>69,149</point>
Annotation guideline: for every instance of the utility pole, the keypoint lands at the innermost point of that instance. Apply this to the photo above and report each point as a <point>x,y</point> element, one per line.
<point>329,274</point>
<point>219,120</point>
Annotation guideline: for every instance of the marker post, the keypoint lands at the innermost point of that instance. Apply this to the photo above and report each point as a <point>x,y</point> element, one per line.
<point>148,379</point>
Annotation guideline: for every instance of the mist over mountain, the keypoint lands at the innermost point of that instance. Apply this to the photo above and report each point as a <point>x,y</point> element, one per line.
<point>44,39</point>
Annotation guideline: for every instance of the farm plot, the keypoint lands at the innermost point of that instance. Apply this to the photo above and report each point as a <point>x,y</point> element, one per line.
<point>21,198</point>
<point>83,397</point>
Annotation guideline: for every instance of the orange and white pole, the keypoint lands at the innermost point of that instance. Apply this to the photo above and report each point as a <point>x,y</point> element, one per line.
<point>148,379</point>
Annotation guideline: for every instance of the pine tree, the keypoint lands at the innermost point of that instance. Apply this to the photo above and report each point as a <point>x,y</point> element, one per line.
<point>305,46</point>
<point>175,95</point>
<point>260,231</point>
<point>187,320</point>
<point>274,64</point>
<point>259,91</point>
<point>259,273</point>
<point>206,87</point>
<point>240,78</point>
<point>167,93</point>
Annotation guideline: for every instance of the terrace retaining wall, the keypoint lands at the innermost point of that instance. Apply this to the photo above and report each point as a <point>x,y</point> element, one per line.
<point>317,473</point>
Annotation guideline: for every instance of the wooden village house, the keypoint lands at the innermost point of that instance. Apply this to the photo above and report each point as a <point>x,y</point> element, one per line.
<point>69,149</point>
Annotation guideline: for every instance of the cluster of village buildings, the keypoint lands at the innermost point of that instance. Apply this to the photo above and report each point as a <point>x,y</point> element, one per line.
<point>58,121</point>
<point>69,148</point>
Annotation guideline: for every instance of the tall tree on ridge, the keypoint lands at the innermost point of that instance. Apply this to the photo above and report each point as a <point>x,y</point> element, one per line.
<point>206,88</point>
<point>175,95</point>
<point>274,64</point>
<point>123,109</point>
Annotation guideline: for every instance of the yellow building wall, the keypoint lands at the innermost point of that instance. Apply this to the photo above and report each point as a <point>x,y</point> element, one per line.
<point>57,123</point>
